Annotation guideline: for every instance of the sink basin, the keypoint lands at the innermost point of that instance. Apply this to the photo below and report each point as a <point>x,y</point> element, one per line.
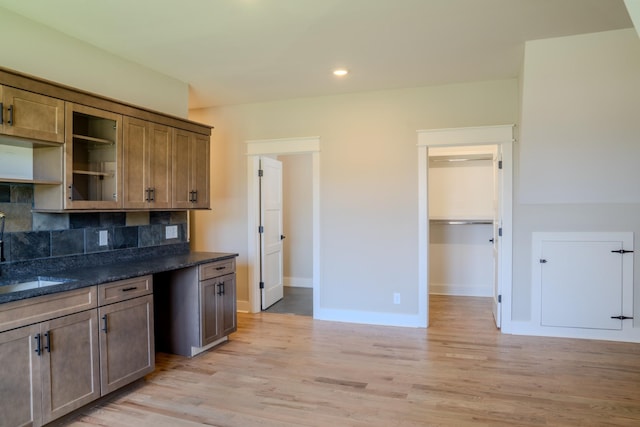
<point>38,282</point>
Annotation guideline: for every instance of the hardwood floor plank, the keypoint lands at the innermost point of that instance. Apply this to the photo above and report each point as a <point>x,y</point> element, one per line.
<point>285,370</point>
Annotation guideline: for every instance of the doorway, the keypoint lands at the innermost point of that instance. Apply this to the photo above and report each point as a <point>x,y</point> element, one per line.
<point>502,138</point>
<point>310,147</point>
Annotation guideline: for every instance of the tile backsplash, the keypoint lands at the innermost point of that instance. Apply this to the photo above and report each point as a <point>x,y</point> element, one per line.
<point>35,235</point>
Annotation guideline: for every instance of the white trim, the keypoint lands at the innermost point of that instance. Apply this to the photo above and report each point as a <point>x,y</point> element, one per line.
<point>629,334</point>
<point>473,290</point>
<point>481,135</point>
<point>243,306</point>
<point>282,146</point>
<point>369,318</point>
<point>466,136</point>
<point>298,282</point>
<point>301,145</point>
<point>423,236</point>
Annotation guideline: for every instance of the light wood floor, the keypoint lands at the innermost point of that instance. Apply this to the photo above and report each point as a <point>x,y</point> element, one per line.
<point>285,370</point>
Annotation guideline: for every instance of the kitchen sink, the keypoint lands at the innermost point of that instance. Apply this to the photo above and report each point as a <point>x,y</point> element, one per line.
<point>38,282</point>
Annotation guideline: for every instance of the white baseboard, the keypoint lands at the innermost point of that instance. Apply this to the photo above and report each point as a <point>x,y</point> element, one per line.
<point>460,290</point>
<point>628,334</point>
<point>243,306</point>
<point>298,282</point>
<point>370,318</point>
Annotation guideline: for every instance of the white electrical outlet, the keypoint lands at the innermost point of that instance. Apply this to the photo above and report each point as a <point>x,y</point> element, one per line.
<point>171,232</point>
<point>396,298</point>
<point>103,238</point>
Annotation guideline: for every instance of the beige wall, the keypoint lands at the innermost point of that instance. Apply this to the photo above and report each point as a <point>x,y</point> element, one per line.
<point>39,51</point>
<point>579,147</point>
<point>297,219</point>
<point>368,181</point>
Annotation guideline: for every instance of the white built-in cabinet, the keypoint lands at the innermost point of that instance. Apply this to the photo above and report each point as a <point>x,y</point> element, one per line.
<point>462,208</point>
<point>582,280</point>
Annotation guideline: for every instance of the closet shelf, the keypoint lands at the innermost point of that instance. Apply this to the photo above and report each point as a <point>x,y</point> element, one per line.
<point>461,221</point>
<point>461,158</point>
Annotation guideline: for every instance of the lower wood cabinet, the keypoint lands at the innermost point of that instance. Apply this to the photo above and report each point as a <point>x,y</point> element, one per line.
<point>195,307</point>
<point>85,343</point>
<point>49,369</point>
<point>217,308</point>
<point>127,349</point>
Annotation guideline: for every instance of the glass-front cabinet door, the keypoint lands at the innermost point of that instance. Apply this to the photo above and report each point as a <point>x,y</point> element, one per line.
<point>93,157</point>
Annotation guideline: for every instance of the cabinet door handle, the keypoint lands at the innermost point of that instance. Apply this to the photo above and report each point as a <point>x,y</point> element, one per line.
<point>10,115</point>
<point>104,323</point>
<point>38,348</point>
<point>146,194</point>
<point>1,113</point>
<point>152,194</point>
<point>47,346</point>
<point>220,288</point>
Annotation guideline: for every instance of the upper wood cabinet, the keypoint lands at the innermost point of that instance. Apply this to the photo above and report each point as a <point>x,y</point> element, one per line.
<point>30,115</point>
<point>93,154</point>
<point>190,171</point>
<point>147,165</point>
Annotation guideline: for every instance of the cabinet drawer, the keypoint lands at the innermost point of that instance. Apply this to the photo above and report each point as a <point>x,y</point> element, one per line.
<point>109,293</point>
<point>38,309</point>
<point>218,268</point>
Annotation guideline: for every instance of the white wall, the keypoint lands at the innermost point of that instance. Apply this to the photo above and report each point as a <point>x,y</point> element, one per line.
<point>37,50</point>
<point>297,219</point>
<point>579,147</point>
<point>368,181</point>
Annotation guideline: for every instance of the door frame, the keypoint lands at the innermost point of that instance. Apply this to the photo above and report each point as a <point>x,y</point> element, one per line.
<point>283,146</point>
<point>502,135</point>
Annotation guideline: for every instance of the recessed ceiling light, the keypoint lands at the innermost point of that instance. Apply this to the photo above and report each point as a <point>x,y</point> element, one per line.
<point>340,72</point>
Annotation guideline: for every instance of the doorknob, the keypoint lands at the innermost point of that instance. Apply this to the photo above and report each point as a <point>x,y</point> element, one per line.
<point>282,237</point>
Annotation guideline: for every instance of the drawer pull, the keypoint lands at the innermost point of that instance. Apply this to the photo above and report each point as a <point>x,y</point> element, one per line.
<point>133,288</point>
<point>221,268</point>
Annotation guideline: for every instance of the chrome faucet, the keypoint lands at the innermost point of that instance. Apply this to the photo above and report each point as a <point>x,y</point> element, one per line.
<point>2,218</point>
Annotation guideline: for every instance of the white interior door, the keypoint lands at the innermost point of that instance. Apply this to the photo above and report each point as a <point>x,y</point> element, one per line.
<point>497,225</point>
<point>271,259</point>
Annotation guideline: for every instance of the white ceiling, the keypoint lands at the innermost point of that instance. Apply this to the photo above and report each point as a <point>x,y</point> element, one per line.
<point>242,51</point>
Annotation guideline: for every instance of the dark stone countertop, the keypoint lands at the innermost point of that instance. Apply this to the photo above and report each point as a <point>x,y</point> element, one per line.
<point>88,276</point>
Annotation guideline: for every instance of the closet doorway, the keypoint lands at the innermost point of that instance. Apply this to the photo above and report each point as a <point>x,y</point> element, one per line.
<point>465,240</point>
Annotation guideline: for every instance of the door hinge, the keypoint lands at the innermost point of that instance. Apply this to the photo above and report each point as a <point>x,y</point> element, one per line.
<point>260,229</point>
<point>260,172</point>
<point>622,317</point>
<point>499,164</point>
<point>621,251</point>
<point>499,298</point>
<point>261,285</point>
<point>500,232</point>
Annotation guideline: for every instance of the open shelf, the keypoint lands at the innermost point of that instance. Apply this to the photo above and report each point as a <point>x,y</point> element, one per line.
<point>92,139</point>
<point>92,173</point>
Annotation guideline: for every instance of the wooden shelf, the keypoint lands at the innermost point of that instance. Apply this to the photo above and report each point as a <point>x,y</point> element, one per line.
<point>81,172</point>
<point>30,181</point>
<point>92,139</point>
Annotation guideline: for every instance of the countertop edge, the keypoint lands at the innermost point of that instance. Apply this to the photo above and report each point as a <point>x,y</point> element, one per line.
<point>80,278</point>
